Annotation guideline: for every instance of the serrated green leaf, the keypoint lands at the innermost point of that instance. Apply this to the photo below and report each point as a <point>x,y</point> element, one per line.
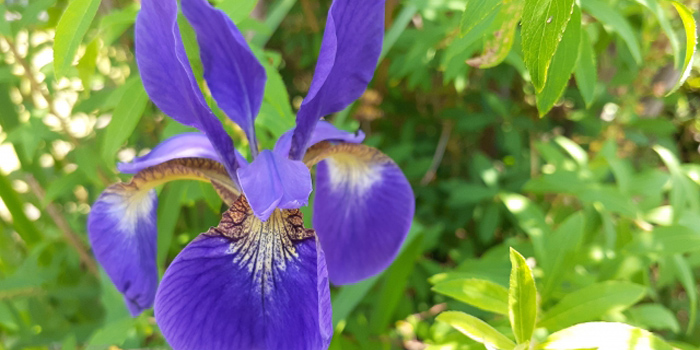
<point>70,31</point>
<point>478,14</point>
<point>604,336</point>
<point>124,119</point>
<point>610,17</point>
<point>586,72</point>
<point>476,329</point>
<point>483,294</point>
<point>691,39</point>
<point>592,302</point>
<point>522,298</point>
<point>498,44</point>
<point>544,22</point>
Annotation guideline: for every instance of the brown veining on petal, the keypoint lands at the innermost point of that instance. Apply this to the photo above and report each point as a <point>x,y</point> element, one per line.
<point>266,247</point>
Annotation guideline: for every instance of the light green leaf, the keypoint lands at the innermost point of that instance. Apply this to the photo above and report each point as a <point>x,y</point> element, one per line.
<point>70,31</point>
<point>586,71</point>
<point>592,302</point>
<point>609,16</point>
<point>562,65</point>
<point>483,294</point>
<point>544,22</point>
<point>86,65</point>
<point>691,39</point>
<point>666,240</point>
<point>499,43</point>
<point>476,329</point>
<point>113,333</point>
<point>124,119</point>
<point>604,336</point>
<point>478,14</point>
<point>522,298</point>
<point>237,10</point>
<point>655,316</point>
<point>563,245</point>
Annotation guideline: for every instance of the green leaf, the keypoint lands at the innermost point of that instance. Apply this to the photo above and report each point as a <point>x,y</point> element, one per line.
<point>655,7</point>
<point>70,31</point>
<point>86,65</point>
<point>563,246</point>
<point>168,211</point>
<point>604,336</point>
<point>498,44</point>
<point>666,240</point>
<point>609,16</point>
<point>655,316</point>
<point>237,10</point>
<point>691,39</point>
<point>349,297</point>
<point>586,71</point>
<point>124,118</point>
<point>544,22</point>
<point>15,205</point>
<point>562,65</point>
<point>522,298</point>
<point>476,329</point>
<point>478,16</point>
<point>483,294</point>
<point>592,302</point>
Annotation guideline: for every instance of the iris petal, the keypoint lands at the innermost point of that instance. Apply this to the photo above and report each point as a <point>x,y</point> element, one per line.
<point>362,212</point>
<point>186,145</point>
<point>323,131</point>
<point>234,76</point>
<point>349,53</point>
<point>247,284</point>
<point>273,181</point>
<point>168,79</point>
<point>122,224</point>
<point>122,232</point>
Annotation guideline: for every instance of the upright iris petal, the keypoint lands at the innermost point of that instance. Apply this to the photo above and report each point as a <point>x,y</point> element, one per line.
<point>350,50</point>
<point>168,79</point>
<point>234,76</point>
<point>323,131</point>
<point>248,284</point>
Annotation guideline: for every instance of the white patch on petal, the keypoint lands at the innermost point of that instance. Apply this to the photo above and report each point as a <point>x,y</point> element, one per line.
<point>128,208</point>
<point>353,174</point>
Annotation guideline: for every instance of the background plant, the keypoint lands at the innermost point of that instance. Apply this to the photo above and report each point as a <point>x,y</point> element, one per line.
<point>600,194</point>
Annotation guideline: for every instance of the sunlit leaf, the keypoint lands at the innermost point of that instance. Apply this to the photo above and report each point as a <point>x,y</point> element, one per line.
<point>544,22</point>
<point>483,294</point>
<point>604,336</point>
<point>562,65</point>
<point>476,329</point>
<point>499,43</point>
<point>522,298</point>
<point>70,31</point>
<point>592,302</point>
<point>478,15</point>
<point>124,119</point>
<point>691,39</point>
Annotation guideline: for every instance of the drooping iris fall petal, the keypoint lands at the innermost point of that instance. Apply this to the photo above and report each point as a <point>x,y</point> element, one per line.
<point>363,210</point>
<point>186,145</point>
<point>349,53</point>
<point>273,181</point>
<point>248,284</point>
<point>168,79</point>
<point>122,232</point>
<point>234,76</point>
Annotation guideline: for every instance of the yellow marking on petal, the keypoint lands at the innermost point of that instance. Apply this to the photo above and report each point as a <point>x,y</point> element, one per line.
<point>351,166</point>
<point>264,248</point>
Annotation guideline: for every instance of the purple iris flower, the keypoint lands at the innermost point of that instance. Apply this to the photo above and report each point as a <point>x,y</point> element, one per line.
<point>260,279</point>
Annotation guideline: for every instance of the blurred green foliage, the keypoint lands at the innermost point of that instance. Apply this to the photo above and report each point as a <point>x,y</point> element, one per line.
<point>601,195</point>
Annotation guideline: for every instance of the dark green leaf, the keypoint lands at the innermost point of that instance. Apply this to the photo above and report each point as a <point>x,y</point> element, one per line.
<point>586,71</point>
<point>610,16</point>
